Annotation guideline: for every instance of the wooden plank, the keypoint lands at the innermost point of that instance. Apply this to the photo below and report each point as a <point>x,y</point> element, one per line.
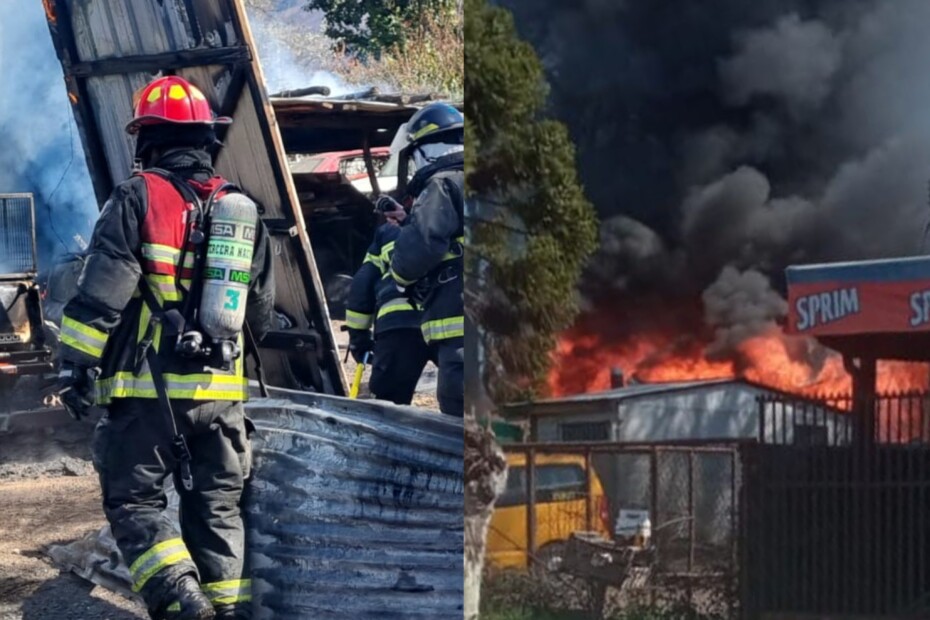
<point>110,48</point>
<point>166,61</point>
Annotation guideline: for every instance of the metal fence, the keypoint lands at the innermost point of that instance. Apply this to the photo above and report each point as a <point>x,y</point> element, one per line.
<point>839,420</point>
<point>835,518</point>
<point>17,235</point>
<point>688,490</point>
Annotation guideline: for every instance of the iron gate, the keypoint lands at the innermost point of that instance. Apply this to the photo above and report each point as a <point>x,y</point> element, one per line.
<point>836,509</point>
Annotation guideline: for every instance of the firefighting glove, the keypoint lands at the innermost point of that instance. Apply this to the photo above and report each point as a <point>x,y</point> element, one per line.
<point>76,389</point>
<point>360,343</point>
<point>386,204</point>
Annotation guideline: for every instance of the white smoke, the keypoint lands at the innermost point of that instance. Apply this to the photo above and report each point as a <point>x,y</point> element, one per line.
<point>292,50</point>
<point>42,152</point>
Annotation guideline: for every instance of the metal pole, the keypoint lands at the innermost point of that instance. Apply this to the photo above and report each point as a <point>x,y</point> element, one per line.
<point>691,528</point>
<point>530,505</point>
<point>370,165</point>
<point>588,491</point>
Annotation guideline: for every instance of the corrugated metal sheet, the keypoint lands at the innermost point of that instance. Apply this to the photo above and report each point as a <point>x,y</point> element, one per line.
<point>355,510</point>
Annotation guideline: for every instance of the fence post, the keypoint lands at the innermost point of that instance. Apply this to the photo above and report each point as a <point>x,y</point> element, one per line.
<point>588,491</point>
<point>530,506</point>
<point>691,526</point>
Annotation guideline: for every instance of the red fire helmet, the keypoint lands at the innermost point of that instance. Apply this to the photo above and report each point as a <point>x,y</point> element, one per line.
<point>172,99</point>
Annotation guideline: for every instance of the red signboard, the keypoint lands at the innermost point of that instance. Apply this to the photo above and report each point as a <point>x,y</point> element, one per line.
<point>859,298</point>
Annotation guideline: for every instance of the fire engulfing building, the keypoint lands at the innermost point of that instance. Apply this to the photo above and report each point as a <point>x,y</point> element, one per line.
<point>724,409</point>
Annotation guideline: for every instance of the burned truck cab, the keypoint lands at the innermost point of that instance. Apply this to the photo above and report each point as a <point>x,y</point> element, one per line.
<point>23,348</point>
<point>342,155</point>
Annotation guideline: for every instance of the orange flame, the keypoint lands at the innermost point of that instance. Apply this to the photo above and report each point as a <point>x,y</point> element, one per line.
<point>583,363</point>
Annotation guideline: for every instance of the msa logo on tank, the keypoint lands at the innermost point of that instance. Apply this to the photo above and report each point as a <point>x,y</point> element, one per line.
<point>828,307</point>
<point>920,308</point>
<point>233,219</point>
<point>225,230</point>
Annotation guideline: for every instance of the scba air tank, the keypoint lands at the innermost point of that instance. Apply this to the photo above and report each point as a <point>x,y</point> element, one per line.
<point>228,265</point>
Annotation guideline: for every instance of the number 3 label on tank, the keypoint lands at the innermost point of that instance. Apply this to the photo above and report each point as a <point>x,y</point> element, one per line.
<point>233,303</point>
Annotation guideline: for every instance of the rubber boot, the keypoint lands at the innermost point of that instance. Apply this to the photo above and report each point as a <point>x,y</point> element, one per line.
<point>188,602</point>
<point>232,612</point>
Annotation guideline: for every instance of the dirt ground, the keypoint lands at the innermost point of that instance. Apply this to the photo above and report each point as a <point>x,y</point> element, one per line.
<point>425,396</point>
<point>37,512</point>
<point>49,495</point>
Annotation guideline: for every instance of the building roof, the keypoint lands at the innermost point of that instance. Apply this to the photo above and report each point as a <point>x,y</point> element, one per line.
<point>318,123</point>
<point>635,390</point>
<point>638,390</point>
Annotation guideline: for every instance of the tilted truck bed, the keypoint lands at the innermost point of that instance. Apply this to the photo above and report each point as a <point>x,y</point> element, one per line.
<point>111,48</point>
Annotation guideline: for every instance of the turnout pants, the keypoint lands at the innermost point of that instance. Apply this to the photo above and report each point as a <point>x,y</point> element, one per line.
<point>133,457</point>
<point>449,355</point>
<point>399,358</point>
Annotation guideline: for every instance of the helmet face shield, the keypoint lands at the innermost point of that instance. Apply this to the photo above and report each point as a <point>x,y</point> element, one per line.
<point>425,154</point>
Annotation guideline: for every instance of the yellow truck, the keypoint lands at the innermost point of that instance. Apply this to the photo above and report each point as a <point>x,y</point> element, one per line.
<point>565,500</point>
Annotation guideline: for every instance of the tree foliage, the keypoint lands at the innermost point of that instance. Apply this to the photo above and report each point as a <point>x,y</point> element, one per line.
<point>369,27</point>
<point>531,226</point>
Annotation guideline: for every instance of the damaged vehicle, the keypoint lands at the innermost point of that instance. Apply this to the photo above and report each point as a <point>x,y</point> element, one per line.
<point>23,348</point>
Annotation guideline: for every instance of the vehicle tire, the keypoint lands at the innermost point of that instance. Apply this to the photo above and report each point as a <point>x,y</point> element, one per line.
<point>548,558</point>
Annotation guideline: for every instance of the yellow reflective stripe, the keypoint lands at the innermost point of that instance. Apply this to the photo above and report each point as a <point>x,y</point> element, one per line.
<point>160,253</point>
<point>386,250</point>
<point>457,250</point>
<point>200,386</point>
<point>228,592</point>
<point>425,130</point>
<point>374,260</point>
<point>400,280</point>
<point>358,320</point>
<point>166,254</point>
<point>163,286</point>
<point>395,305</point>
<point>82,337</point>
<point>443,329</point>
<point>158,557</point>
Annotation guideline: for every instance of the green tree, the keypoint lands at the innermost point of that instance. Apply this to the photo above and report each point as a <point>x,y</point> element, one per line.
<point>531,227</point>
<point>369,27</point>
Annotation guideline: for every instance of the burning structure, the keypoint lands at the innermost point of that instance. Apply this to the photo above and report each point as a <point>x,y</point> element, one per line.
<point>731,142</point>
<point>716,410</point>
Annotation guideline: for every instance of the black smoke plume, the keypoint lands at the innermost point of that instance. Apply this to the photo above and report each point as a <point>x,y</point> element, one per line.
<point>725,137</point>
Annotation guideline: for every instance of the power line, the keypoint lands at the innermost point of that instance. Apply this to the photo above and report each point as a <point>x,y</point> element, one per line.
<point>48,202</point>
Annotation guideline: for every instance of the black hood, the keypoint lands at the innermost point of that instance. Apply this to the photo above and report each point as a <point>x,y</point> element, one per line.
<point>452,161</point>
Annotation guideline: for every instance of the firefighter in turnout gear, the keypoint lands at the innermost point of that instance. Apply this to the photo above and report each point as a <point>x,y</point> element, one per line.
<point>173,389</point>
<point>400,353</point>
<point>428,263</point>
